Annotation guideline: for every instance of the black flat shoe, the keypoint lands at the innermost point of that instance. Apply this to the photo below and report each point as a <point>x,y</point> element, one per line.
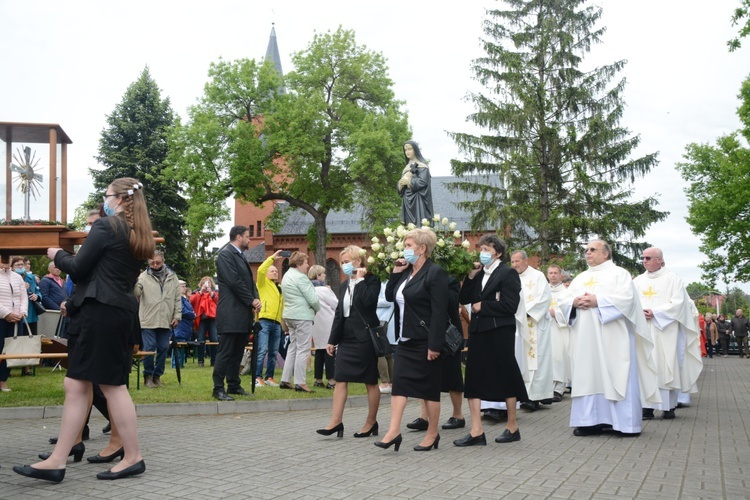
<point>133,470</point>
<point>508,437</point>
<point>107,428</point>
<point>339,430</point>
<point>372,432</point>
<point>455,423</point>
<point>76,452</point>
<point>382,444</point>
<point>239,391</point>
<point>648,413</point>
<point>299,388</point>
<point>100,459</point>
<point>530,405</point>
<point>418,424</point>
<point>434,444</point>
<point>593,430</point>
<point>54,475</point>
<point>668,415</point>
<point>470,440</point>
<point>285,385</point>
<point>319,384</point>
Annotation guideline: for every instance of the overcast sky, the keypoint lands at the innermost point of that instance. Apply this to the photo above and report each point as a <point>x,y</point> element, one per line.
<point>71,62</point>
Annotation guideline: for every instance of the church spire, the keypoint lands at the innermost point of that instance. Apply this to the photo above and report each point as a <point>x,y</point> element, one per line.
<point>272,52</point>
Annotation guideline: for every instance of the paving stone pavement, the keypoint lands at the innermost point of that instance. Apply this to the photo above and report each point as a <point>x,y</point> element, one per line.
<point>703,453</point>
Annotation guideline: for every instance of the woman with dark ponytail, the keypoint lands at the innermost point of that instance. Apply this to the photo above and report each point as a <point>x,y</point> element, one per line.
<point>105,271</point>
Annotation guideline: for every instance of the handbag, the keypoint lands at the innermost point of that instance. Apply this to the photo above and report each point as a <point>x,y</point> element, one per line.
<point>378,337</point>
<point>453,338</point>
<point>38,307</point>
<point>23,344</point>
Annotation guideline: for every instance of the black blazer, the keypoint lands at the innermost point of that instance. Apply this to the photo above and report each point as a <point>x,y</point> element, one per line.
<point>364,303</point>
<point>426,297</point>
<point>496,311</point>
<point>237,291</point>
<point>104,269</point>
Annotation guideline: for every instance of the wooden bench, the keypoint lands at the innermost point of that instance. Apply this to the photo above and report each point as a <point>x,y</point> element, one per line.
<point>182,345</point>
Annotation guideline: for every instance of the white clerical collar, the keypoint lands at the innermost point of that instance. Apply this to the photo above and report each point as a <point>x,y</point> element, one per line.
<point>657,274</point>
<point>557,287</point>
<point>604,265</point>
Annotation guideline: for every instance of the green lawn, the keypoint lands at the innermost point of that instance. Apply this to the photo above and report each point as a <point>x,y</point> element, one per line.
<point>46,388</point>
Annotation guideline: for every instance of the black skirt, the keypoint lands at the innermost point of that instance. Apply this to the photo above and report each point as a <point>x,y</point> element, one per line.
<point>413,375</point>
<point>355,361</point>
<point>453,379</point>
<point>492,372</point>
<point>102,352</point>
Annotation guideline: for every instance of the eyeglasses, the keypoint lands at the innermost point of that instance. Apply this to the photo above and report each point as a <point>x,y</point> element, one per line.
<point>104,198</point>
<point>648,258</point>
<point>592,250</point>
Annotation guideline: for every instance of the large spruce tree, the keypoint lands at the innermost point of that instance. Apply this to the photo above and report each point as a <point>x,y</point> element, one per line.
<point>134,144</point>
<point>553,152</point>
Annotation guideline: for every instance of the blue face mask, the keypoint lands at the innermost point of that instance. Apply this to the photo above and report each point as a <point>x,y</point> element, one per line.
<point>20,271</point>
<point>410,257</point>
<point>348,268</point>
<point>485,258</point>
<point>107,210</point>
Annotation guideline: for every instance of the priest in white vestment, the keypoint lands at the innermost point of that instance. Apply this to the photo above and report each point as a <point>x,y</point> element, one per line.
<point>536,293</point>
<point>666,307</point>
<point>559,333</point>
<point>613,355</point>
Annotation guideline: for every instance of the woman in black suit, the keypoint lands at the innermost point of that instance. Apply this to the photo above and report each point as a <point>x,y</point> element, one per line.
<point>105,271</point>
<point>492,373</point>
<point>350,342</point>
<point>419,289</point>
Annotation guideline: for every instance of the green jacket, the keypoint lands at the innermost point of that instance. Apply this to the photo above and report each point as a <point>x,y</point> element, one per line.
<point>159,304</point>
<point>270,295</point>
<point>300,300</point>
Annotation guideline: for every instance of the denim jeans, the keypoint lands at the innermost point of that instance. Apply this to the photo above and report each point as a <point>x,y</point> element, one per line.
<point>207,325</point>
<point>155,339</point>
<point>267,342</point>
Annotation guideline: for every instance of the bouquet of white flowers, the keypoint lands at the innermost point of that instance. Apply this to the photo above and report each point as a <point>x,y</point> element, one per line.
<point>450,253</point>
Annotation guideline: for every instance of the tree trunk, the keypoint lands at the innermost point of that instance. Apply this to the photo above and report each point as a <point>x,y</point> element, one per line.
<point>321,235</point>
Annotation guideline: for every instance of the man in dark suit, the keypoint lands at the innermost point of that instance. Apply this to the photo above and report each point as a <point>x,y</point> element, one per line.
<point>238,297</point>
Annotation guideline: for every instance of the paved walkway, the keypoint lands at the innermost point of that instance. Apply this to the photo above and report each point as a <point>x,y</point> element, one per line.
<point>703,453</point>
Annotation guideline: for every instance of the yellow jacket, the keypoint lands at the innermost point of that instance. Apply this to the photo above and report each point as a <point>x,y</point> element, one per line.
<point>270,294</point>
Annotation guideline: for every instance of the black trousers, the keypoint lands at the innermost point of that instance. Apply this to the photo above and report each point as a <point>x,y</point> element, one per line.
<point>323,359</point>
<point>228,359</point>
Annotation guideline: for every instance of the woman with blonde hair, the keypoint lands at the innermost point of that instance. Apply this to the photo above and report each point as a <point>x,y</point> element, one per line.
<point>419,289</point>
<point>105,271</point>
<point>350,340</point>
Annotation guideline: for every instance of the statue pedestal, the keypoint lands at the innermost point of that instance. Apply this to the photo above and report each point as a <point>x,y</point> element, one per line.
<point>35,240</point>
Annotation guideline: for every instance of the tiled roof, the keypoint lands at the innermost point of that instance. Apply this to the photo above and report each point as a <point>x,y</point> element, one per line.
<point>349,222</point>
<point>255,255</point>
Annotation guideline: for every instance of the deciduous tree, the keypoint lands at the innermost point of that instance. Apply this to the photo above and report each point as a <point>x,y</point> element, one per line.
<point>719,198</point>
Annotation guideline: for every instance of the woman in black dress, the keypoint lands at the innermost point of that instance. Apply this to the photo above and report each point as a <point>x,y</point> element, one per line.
<point>419,289</point>
<point>105,271</point>
<point>351,344</point>
<point>492,373</point>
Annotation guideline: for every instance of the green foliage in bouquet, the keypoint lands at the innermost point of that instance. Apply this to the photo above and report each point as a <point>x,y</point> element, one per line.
<point>450,253</point>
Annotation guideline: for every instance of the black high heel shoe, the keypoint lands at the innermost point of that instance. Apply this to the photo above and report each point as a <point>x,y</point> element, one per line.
<point>100,459</point>
<point>339,430</point>
<point>428,448</point>
<point>76,452</point>
<point>372,432</point>
<point>54,475</point>
<point>382,444</point>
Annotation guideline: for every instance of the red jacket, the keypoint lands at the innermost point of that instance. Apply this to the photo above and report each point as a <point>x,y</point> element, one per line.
<point>204,305</point>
